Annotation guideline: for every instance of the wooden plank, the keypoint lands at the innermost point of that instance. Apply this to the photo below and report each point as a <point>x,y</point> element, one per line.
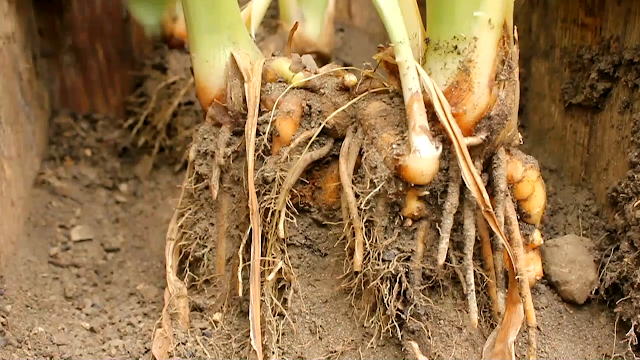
<point>571,48</point>
<point>24,112</point>
<point>91,48</point>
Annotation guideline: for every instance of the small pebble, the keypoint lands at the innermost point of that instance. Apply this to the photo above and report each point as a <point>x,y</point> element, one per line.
<point>81,233</point>
<point>124,188</point>
<point>53,251</point>
<point>113,244</point>
<point>217,317</point>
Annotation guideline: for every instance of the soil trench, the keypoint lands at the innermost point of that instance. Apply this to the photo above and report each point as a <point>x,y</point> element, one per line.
<point>88,278</point>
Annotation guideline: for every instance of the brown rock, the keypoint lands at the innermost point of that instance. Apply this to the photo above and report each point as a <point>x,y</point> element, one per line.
<point>570,267</point>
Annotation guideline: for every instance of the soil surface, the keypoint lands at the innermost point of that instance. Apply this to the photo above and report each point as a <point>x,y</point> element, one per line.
<point>88,278</point>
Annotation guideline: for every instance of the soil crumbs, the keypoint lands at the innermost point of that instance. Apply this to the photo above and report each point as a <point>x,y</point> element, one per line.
<point>89,276</point>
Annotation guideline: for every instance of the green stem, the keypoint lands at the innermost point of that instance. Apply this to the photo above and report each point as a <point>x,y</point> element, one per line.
<point>461,30</point>
<point>415,27</point>
<point>150,13</point>
<point>215,28</point>
<point>422,163</point>
<point>314,13</point>
<point>315,34</point>
<point>310,13</point>
<point>463,52</point>
<point>254,13</point>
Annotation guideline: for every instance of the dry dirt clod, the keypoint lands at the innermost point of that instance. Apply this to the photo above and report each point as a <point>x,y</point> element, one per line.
<point>148,293</point>
<point>112,244</point>
<point>70,291</point>
<point>570,267</point>
<point>81,233</point>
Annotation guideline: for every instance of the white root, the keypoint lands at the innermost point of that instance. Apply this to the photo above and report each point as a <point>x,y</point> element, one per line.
<point>469,231</point>
<point>517,244</point>
<point>501,190</point>
<point>489,267</point>
<point>346,174</point>
<point>293,176</point>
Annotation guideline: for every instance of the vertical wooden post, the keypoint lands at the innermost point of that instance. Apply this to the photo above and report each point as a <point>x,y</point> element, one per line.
<point>580,61</point>
<point>24,111</point>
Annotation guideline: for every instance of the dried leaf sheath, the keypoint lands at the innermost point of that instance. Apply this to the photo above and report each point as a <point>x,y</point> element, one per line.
<point>252,74</point>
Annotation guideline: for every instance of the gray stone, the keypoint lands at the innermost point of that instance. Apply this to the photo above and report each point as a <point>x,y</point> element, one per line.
<point>569,266</point>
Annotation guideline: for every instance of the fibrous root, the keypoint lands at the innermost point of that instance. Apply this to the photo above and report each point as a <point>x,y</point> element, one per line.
<point>517,187</point>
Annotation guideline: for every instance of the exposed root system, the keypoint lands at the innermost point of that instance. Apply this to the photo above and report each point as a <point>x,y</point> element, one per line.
<point>327,149</point>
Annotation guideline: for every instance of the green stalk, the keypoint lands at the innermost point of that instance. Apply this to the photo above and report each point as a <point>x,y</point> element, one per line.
<point>422,163</point>
<point>310,13</point>
<point>315,19</point>
<point>211,40</point>
<point>314,13</point>
<point>463,53</point>
<point>415,28</point>
<point>253,13</point>
<point>150,13</point>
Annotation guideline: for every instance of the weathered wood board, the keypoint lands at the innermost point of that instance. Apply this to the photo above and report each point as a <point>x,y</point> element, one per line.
<point>24,111</point>
<point>580,62</point>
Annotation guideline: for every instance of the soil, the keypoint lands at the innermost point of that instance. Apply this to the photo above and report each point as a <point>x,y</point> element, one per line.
<point>621,277</point>
<point>595,70</point>
<point>100,295</point>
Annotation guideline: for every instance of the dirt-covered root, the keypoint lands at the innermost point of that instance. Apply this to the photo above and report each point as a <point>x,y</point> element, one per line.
<point>208,243</point>
<point>526,192</point>
<point>292,178</point>
<point>201,251</point>
<point>328,136</point>
<point>489,265</point>
<point>348,155</point>
<point>499,175</point>
<point>469,231</point>
<point>520,268</point>
<point>449,210</point>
